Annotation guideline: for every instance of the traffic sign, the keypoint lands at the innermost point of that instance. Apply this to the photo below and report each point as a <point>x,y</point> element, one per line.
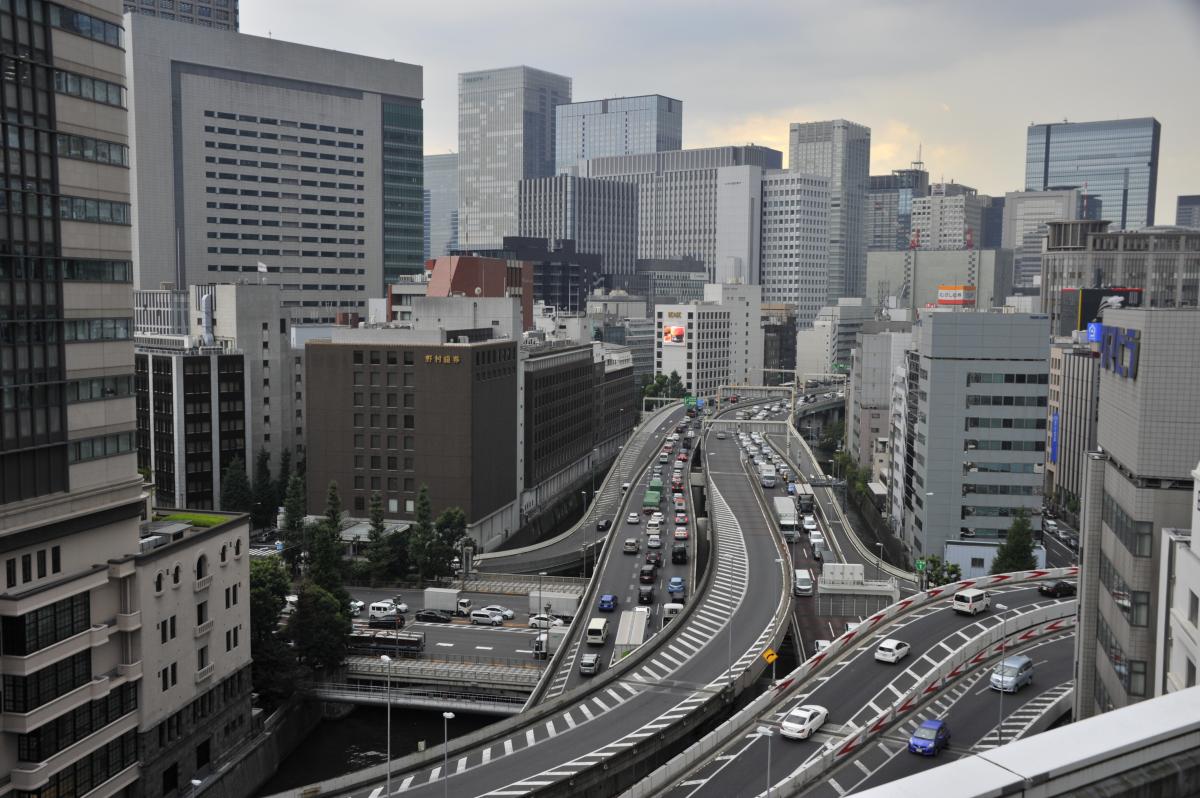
<point>689,400</point>
<point>770,656</point>
<point>920,565</point>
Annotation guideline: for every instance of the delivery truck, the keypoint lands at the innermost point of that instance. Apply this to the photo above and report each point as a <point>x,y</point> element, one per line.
<point>562,605</point>
<point>447,599</point>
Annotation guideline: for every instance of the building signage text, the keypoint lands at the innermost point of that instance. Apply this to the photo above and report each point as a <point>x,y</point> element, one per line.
<point>1119,350</point>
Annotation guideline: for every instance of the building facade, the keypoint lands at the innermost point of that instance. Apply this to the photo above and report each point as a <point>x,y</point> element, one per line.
<point>506,134</point>
<point>713,342</point>
<point>916,279</point>
<point>947,222</point>
<point>878,351</point>
<point>1187,210</point>
<point>268,171</point>
<point>441,205</point>
<point>1071,424</point>
<point>779,341</point>
<point>1179,602</point>
<point>1116,159</point>
<point>1138,483</point>
<point>795,241</point>
<point>1024,227</point>
<point>218,14</point>
<point>841,152</point>
<point>678,196</point>
<point>615,126</point>
<point>600,216</point>
<point>889,207</point>
<point>824,347</point>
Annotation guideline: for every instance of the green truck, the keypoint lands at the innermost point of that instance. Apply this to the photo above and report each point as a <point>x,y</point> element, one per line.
<point>656,484</point>
<point>651,501</point>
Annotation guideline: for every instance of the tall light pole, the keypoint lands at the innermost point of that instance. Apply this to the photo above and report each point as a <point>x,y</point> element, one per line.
<point>879,560</point>
<point>446,718</point>
<point>387,661</point>
<point>768,732</point>
<point>1003,637</point>
<point>542,608</point>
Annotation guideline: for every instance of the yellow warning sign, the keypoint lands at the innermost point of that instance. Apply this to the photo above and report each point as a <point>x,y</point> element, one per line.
<point>770,656</point>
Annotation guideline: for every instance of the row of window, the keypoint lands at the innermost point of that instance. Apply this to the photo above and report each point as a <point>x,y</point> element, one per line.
<point>83,776</point>
<point>1132,673</point>
<point>986,511</point>
<point>29,633</point>
<point>1005,423</point>
<point>83,330</point>
<point>1002,490</point>
<point>99,388</point>
<point>263,134</point>
<point>85,209</point>
<point>975,377</point>
<point>1002,468</point>
<point>27,693</point>
<point>1004,446</point>
<point>287,153</point>
<point>98,271</point>
<point>66,730</point>
<point>264,120</point>
<point>102,446</point>
<point>87,26</point>
<point>87,88</point>
<point>1134,604</point>
<point>86,148</point>
<point>27,561</point>
<point>1135,536</point>
<point>988,400</point>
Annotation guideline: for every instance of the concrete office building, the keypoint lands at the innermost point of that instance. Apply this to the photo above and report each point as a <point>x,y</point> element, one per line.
<point>665,281</point>
<point>600,216</point>
<point>824,348</point>
<point>795,241</point>
<point>914,279</point>
<point>560,276</point>
<point>1138,483</point>
<point>974,441</point>
<point>713,342</point>
<point>1179,602</point>
<point>879,349</point>
<point>779,341</point>
<point>678,197</point>
<point>1025,216</point>
<point>282,163</point>
<point>1187,211</point>
<point>889,207</point>
<point>506,134</point>
<point>160,312</point>
<point>1071,424</point>
<point>841,152</point>
<point>948,221</point>
<point>739,225</point>
<point>1117,159</point>
<point>218,14</point>
<point>616,126</point>
<point>84,712</point>
<point>1164,262</point>
<point>441,205</point>
<point>402,294</point>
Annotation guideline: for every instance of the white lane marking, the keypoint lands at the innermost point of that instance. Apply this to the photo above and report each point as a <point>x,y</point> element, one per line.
<point>550,730</point>
<point>483,648</point>
<point>446,645</point>
<point>375,792</point>
<point>462,765</point>
<point>529,737</point>
<point>487,755</point>
<point>407,781</point>
<point>508,747</point>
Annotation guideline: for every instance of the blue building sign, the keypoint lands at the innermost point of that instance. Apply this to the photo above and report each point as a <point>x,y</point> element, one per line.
<point>1094,331</point>
<point>1054,437</point>
<point>1119,350</point>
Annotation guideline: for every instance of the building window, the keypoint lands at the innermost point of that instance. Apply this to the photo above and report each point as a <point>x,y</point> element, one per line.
<point>37,629</point>
<point>1193,609</point>
<point>86,88</point>
<point>201,613</point>
<point>10,572</point>
<point>41,563</point>
<point>1190,678</point>
<point>202,658</point>
<point>55,559</point>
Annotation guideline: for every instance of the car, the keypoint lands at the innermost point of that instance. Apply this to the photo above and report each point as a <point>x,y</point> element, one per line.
<point>681,518</point>
<point>603,524</point>
<point>645,594</point>
<point>1012,674</point>
<point>681,533</point>
<point>675,585</point>
<point>356,606</point>
<point>398,605</point>
<point>393,620</point>
<point>485,617</point>
<point>608,603</point>
<point>652,527</point>
<point>432,616</point>
<point>589,664</point>
<point>803,721</point>
<point>625,487</point>
<point>1059,589</point>
<point>929,738</point>
<point>657,516</point>
<point>891,650</point>
<point>810,523</point>
<point>647,574</point>
<point>679,553</point>
<point>543,621</point>
<point>720,436</point>
<point>654,558</point>
<point>633,518</point>
<point>632,546</point>
<point>680,505</point>
<point>821,645</point>
<point>654,542</point>
<point>503,612</point>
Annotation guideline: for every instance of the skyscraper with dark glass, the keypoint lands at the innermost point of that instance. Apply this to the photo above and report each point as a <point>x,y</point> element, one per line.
<point>1115,159</point>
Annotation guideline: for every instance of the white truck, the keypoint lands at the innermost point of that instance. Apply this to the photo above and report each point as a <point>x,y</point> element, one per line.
<point>562,605</point>
<point>447,599</point>
<point>789,520</point>
<point>631,632</point>
<point>766,475</point>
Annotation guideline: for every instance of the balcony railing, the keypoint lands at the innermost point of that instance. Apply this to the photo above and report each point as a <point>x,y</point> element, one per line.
<point>203,582</point>
<point>204,673</point>
<point>204,628</point>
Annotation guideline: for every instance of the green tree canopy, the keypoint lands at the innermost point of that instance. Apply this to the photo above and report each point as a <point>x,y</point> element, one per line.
<point>325,561</point>
<point>1016,552</point>
<point>273,671</point>
<point>333,506</point>
<point>265,500</point>
<point>236,496</point>
<point>284,477</point>
<point>940,572</point>
<point>675,389</point>
<point>319,627</point>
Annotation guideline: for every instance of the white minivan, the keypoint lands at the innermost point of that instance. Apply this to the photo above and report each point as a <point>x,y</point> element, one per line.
<point>971,601</point>
<point>380,608</point>
<point>597,631</point>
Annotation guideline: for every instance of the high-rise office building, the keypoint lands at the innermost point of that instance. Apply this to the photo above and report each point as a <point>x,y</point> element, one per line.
<point>616,126</point>
<point>1024,226</point>
<point>281,163</point>
<point>600,216</point>
<point>948,221</point>
<point>1187,210</point>
<point>110,627</point>
<point>678,197</point>
<point>441,205</point>
<point>1116,159</point>
<point>840,151</point>
<point>219,14</point>
<point>795,241</point>
<point>1071,427</point>
<point>824,345</point>
<point>889,207</point>
<point>506,123</point>
<point>713,342</point>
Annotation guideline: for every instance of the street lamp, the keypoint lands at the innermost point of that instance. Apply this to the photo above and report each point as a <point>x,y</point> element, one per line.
<point>446,718</point>
<point>387,661</point>
<point>768,732</point>
<point>879,560</point>
<point>542,607</point>
<point>1003,638</point>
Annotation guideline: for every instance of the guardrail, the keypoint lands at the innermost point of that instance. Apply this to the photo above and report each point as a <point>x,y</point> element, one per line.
<point>479,673</point>
<point>440,656</point>
<point>792,682</point>
<point>487,703</point>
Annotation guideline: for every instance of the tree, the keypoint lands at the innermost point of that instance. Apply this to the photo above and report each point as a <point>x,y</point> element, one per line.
<point>273,671</point>
<point>382,550</point>
<point>265,500</point>
<point>940,572</point>
<point>421,543</point>
<point>1016,552</point>
<point>325,561</point>
<point>333,506</point>
<point>376,514</point>
<point>675,389</point>
<point>319,627</point>
<point>284,477</point>
<point>450,530</point>
<point>294,541</point>
<point>236,496</point>
<point>832,436</point>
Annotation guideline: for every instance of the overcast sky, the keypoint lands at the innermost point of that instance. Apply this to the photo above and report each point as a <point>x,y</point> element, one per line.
<point>961,78</point>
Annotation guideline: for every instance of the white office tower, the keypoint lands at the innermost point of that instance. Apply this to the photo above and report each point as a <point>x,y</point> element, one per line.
<point>878,351</point>
<point>795,242</point>
<point>949,221</point>
<point>713,342</point>
<point>441,205</point>
<point>506,121</point>
<point>841,151</point>
<point>615,126</point>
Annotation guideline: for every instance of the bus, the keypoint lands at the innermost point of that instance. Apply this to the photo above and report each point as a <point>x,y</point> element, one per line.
<point>789,521</point>
<point>766,475</point>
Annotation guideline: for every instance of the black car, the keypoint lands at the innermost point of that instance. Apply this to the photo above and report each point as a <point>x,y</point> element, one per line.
<point>645,594</point>
<point>679,553</point>
<point>654,558</point>
<point>392,620</point>
<point>1058,589</point>
<point>432,616</point>
<point>603,524</point>
<point>647,574</point>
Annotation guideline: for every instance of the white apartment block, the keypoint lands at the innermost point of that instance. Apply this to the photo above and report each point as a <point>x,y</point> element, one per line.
<point>795,241</point>
<point>877,353</point>
<point>948,222</point>
<point>714,342</point>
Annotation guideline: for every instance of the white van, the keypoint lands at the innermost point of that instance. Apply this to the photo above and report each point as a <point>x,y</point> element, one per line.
<point>380,608</point>
<point>971,601</point>
<point>597,631</point>
<point>802,583</point>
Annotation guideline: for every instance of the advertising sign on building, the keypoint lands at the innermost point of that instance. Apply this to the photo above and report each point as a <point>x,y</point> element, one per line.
<point>674,334</point>
<point>960,295</point>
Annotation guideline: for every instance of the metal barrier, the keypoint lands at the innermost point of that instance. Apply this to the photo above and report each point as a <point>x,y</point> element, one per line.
<point>486,703</point>
<point>481,674</point>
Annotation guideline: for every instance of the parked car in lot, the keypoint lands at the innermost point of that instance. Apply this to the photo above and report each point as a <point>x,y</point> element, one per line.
<point>486,618</point>
<point>1059,589</point>
<point>543,621</point>
<point>891,650</point>
<point>929,738</point>
<point>503,612</point>
<point>802,721</point>
<point>432,616</point>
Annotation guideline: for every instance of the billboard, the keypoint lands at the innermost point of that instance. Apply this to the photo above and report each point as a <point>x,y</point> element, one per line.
<point>962,295</point>
<point>673,334</point>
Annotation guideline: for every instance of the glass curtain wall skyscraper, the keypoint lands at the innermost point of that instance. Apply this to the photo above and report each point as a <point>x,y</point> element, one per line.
<point>1115,159</point>
<point>441,205</point>
<point>889,207</point>
<point>618,126</point>
<point>505,135</point>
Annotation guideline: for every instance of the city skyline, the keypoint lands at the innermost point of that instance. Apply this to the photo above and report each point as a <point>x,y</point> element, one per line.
<point>909,98</point>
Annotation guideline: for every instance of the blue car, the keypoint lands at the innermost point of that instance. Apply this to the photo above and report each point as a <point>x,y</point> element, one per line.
<point>675,585</point>
<point>608,602</point>
<point>929,738</point>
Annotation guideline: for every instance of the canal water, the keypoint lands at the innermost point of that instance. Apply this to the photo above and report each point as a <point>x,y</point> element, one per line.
<point>359,740</point>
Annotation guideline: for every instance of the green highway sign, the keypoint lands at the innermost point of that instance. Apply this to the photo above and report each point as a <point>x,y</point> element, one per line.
<point>690,401</point>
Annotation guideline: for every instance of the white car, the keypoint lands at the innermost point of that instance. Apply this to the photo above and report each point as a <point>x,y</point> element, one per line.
<point>891,650</point>
<point>485,617</point>
<point>543,621</point>
<point>810,524</point>
<point>720,436</point>
<point>654,542</point>
<point>356,606</point>
<point>633,518</point>
<point>503,612</point>
<point>657,517</point>
<point>801,722</point>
